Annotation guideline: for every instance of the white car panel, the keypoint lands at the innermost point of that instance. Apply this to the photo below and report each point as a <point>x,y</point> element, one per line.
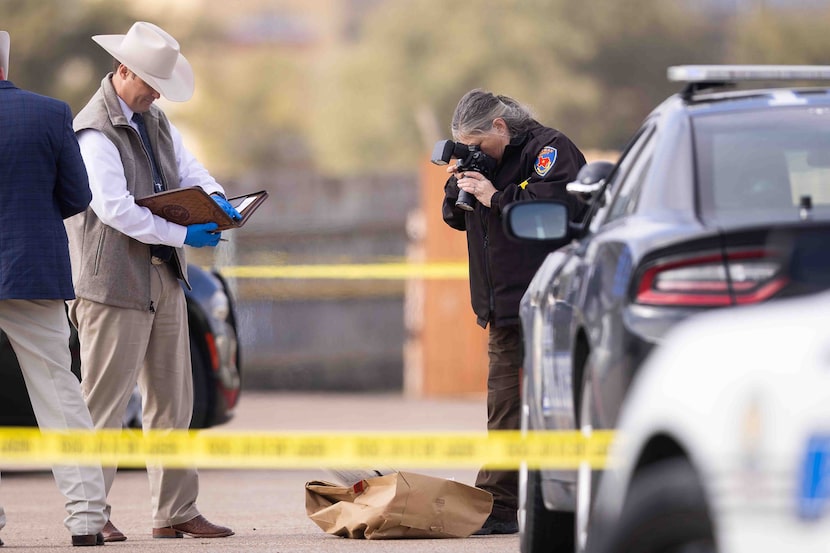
<point>742,391</point>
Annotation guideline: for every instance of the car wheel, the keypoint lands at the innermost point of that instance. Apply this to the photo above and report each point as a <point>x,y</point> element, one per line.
<point>201,386</point>
<point>543,531</point>
<point>665,512</point>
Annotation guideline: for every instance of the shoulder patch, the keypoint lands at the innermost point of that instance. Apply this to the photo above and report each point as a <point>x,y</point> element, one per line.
<point>545,160</point>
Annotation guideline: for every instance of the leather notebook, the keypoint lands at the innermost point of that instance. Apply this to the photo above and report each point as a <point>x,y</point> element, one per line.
<point>192,205</point>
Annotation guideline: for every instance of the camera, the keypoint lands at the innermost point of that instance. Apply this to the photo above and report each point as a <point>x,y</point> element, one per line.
<point>470,158</point>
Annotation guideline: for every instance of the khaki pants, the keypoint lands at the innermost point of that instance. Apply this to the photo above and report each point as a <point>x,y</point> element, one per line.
<point>120,347</point>
<point>505,349</point>
<point>39,334</point>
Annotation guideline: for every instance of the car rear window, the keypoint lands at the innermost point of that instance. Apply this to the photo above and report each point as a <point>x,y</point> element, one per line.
<point>763,164</point>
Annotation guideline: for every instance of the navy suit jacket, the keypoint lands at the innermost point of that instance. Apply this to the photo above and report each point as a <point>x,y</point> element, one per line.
<point>42,181</point>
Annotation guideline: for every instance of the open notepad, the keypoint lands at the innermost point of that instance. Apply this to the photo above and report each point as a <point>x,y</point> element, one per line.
<point>190,206</point>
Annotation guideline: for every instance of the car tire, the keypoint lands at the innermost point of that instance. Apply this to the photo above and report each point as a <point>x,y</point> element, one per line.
<point>202,376</point>
<point>665,512</point>
<point>544,531</point>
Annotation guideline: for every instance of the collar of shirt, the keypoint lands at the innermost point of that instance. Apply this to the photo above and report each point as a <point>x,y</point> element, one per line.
<point>128,113</point>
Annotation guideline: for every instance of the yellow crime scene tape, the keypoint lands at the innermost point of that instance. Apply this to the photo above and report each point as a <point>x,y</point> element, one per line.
<point>390,271</point>
<point>283,450</point>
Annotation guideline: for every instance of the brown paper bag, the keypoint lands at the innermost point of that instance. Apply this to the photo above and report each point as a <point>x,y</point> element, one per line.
<point>398,505</point>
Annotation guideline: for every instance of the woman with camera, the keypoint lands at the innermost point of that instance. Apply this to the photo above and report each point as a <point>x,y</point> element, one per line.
<point>531,161</point>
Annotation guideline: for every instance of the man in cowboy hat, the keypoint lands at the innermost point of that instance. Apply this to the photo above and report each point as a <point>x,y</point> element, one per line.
<point>42,175</point>
<point>126,262</point>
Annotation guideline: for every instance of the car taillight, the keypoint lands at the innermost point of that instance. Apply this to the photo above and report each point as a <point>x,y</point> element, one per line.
<point>215,362</point>
<point>711,281</point>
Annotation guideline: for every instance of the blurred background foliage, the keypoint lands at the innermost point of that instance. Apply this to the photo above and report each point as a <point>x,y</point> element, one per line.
<point>345,87</point>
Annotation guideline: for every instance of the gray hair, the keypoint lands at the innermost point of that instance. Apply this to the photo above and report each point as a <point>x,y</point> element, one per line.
<point>476,111</point>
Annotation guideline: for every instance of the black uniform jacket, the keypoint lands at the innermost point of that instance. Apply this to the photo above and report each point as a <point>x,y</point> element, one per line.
<point>500,269</point>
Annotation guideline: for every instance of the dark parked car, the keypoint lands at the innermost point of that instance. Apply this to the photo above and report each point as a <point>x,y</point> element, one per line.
<point>721,198</point>
<point>214,352</point>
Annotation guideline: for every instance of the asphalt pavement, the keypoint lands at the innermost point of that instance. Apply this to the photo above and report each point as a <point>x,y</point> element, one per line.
<point>266,508</point>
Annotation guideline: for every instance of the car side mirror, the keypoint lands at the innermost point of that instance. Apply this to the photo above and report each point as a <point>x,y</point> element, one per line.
<point>590,179</point>
<point>537,221</point>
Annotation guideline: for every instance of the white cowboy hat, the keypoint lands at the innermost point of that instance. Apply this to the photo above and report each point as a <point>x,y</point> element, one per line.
<point>4,52</point>
<point>152,54</point>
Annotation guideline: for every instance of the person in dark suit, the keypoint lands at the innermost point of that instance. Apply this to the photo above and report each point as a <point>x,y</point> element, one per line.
<point>42,181</point>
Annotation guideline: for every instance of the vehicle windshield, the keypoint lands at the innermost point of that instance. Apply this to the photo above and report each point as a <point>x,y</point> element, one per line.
<point>763,165</point>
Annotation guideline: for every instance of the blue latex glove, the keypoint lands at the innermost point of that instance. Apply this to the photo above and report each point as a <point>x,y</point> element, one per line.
<point>202,235</point>
<point>226,207</point>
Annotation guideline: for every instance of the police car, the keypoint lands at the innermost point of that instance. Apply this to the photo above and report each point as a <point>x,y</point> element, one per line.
<point>721,199</point>
<point>724,440</point>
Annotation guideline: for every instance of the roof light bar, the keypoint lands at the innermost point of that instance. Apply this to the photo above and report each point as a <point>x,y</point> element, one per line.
<point>733,73</point>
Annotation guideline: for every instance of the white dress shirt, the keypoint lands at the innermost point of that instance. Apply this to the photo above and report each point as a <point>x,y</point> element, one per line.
<point>113,203</point>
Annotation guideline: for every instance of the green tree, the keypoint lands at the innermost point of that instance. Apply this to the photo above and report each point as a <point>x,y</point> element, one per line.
<point>385,90</point>
<point>52,52</point>
<point>779,36</point>
<point>249,110</point>
<point>591,69</point>
<point>393,92</point>
<point>636,41</point>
